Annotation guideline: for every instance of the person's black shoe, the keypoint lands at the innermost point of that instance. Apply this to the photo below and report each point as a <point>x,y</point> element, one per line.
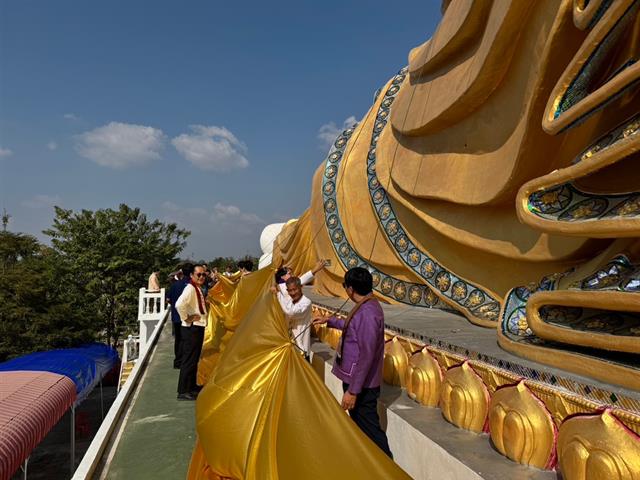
<point>186,396</point>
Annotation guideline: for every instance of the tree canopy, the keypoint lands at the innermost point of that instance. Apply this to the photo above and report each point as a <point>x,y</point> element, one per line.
<point>111,254</point>
<point>85,286</point>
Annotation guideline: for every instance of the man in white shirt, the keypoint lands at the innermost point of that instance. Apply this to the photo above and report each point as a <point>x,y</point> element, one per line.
<point>297,310</point>
<point>192,308</point>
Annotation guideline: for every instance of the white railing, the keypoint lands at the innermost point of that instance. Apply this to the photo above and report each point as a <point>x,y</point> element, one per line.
<point>103,436</point>
<point>151,304</point>
<point>130,352</point>
<point>151,309</point>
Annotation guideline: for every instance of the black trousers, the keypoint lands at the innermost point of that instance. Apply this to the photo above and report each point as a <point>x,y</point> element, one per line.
<point>176,330</point>
<point>192,338</point>
<point>365,415</point>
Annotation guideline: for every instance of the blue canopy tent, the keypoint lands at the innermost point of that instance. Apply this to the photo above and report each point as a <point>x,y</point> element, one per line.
<point>85,365</point>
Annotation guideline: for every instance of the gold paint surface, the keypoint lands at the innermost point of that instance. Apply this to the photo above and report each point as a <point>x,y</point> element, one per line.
<point>521,427</point>
<point>396,362</point>
<point>424,379</point>
<point>464,398</point>
<point>598,447</point>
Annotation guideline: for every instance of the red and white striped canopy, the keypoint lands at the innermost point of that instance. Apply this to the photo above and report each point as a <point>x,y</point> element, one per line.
<point>31,403</point>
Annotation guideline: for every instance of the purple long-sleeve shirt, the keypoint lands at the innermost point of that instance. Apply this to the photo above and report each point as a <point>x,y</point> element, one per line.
<point>363,351</point>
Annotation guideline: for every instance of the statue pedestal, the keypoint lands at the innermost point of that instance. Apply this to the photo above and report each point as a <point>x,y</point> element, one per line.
<point>496,415</point>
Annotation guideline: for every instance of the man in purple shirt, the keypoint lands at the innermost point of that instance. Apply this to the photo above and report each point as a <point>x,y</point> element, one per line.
<point>360,355</point>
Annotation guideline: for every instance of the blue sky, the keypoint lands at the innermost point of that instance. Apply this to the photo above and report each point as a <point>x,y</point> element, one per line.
<point>210,114</point>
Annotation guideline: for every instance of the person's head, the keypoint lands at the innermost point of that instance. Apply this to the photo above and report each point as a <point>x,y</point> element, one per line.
<point>248,265</point>
<point>358,281</point>
<point>187,269</point>
<point>280,274</point>
<point>228,269</point>
<point>294,288</point>
<point>199,276</point>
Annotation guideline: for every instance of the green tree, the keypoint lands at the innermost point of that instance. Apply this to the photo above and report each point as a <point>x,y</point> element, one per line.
<point>37,311</point>
<point>110,254</point>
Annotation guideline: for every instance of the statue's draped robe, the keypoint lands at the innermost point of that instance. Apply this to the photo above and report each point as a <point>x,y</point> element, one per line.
<point>264,413</point>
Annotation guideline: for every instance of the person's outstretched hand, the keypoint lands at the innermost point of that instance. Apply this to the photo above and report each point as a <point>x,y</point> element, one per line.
<point>320,320</point>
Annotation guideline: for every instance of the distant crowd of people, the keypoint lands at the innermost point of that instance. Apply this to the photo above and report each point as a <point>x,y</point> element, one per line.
<point>359,356</point>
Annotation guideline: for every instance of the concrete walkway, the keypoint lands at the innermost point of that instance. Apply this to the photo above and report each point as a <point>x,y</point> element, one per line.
<point>158,437</point>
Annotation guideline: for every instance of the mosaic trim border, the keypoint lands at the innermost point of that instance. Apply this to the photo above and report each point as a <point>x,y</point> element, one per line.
<point>514,324</point>
<point>390,287</point>
<point>604,6</point>
<point>618,275</point>
<point>466,296</point>
<point>601,396</point>
<point>566,203</point>
<point>577,89</point>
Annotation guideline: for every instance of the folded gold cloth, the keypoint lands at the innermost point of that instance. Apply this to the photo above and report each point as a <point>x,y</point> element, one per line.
<point>265,413</point>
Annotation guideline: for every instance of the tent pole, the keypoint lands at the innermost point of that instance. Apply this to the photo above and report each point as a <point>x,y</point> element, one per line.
<point>73,439</point>
<point>101,401</point>
<point>25,465</point>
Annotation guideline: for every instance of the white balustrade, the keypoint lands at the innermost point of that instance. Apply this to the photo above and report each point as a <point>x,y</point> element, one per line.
<point>151,309</point>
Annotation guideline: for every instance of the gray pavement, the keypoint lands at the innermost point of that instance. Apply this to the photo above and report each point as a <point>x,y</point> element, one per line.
<point>159,434</point>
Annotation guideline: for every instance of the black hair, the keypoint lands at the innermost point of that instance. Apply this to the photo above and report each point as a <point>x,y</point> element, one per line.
<point>187,269</point>
<point>359,279</point>
<point>280,273</point>
<point>248,265</point>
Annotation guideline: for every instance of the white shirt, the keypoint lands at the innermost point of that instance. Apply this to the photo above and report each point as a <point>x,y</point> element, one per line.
<point>298,314</point>
<point>299,317</point>
<point>187,304</point>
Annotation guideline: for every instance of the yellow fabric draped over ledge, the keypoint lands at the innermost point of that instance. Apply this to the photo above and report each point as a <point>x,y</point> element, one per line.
<point>264,413</point>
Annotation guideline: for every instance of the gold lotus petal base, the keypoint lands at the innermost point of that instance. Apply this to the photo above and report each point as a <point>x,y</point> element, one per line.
<point>547,422</point>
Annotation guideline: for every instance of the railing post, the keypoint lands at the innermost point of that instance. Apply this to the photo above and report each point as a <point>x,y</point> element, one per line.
<point>150,312</point>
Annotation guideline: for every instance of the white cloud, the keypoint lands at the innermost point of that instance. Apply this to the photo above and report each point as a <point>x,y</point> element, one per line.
<point>212,148</point>
<point>70,116</point>
<point>42,201</point>
<point>52,146</point>
<point>328,132</point>
<point>5,152</point>
<point>227,219</point>
<point>190,211</point>
<point>121,145</point>
<point>232,215</point>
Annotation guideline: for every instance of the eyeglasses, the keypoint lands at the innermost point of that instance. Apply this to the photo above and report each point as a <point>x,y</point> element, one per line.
<point>200,275</point>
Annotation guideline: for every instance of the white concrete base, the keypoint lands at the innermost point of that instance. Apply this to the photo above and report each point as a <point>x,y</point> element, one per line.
<point>414,452</point>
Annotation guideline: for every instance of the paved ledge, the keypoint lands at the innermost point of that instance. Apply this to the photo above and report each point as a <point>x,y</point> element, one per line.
<point>157,436</point>
<point>424,444</point>
<point>451,331</point>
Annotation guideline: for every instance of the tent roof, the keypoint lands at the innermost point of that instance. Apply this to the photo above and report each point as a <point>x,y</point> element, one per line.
<point>31,403</point>
<point>85,365</point>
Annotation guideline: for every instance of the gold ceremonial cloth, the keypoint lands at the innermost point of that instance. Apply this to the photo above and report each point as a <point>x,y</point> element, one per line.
<point>264,413</point>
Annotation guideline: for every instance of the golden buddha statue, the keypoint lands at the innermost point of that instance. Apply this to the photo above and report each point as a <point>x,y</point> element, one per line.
<point>497,175</point>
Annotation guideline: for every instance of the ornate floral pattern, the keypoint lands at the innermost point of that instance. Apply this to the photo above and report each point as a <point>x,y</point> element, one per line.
<point>484,305</point>
<point>402,291</point>
<point>566,203</point>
